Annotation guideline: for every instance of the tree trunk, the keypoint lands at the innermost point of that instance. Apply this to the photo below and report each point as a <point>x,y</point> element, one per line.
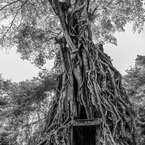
<point>91,106</point>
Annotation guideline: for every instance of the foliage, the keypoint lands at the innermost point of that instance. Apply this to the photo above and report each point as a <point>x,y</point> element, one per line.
<point>24,115</point>
<point>33,25</point>
<point>134,82</point>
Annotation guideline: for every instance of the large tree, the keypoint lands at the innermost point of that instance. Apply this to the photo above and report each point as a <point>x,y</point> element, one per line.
<point>91,106</point>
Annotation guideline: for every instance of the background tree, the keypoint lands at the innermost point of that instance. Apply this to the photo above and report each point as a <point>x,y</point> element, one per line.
<point>134,82</point>
<point>89,90</point>
<point>24,108</point>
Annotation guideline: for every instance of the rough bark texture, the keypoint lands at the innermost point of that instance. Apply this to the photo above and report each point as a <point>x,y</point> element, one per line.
<point>90,98</point>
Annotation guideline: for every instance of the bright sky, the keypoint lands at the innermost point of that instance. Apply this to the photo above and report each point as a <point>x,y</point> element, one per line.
<point>14,68</point>
<point>129,46</point>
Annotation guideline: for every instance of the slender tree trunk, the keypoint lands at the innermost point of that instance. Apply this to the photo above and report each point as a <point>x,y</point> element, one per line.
<point>91,106</point>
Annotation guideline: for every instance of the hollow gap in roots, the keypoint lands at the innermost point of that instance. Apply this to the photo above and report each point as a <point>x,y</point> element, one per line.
<point>83,114</point>
<point>84,135</point>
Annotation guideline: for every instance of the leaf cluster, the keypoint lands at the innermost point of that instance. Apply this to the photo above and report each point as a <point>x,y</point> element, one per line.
<point>134,82</point>
<point>24,114</point>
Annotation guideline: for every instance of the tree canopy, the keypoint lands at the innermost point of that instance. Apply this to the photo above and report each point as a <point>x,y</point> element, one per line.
<point>33,25</point>
<point>134,82</point>
<point>24,107</point>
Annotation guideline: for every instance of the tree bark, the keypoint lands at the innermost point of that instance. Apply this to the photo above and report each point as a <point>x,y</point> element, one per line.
<point>90,92</point>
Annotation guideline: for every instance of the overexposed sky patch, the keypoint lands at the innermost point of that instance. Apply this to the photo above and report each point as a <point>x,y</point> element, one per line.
<point>129,46</point>
<point>14,68</point>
